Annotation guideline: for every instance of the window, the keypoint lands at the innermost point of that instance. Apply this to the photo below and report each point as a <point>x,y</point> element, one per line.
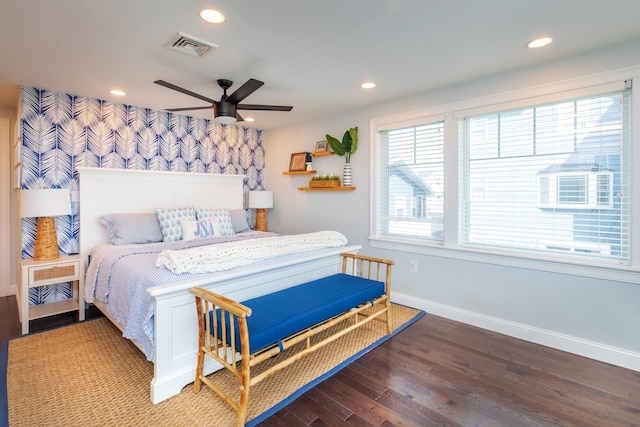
<point>589,190</point>
<point>538,177</point>
<point>555,178</point>
<point>411,172</point>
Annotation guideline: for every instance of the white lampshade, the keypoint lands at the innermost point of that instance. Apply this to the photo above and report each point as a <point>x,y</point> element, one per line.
<point>44,203</point>
<point>261,199</point>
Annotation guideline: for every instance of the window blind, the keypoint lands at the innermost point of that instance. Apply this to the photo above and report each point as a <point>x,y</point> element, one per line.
<point>411,181</point>
<point>552,178</point>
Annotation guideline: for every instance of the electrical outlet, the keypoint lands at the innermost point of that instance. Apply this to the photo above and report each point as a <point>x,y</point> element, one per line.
<point>413,266</point>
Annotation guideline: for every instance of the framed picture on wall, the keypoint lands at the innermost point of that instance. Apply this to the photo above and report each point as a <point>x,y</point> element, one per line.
<point>321,147</point>
<point>298,162</point>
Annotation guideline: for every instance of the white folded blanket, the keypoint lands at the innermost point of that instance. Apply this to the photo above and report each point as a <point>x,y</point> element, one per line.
<point>224,256</point>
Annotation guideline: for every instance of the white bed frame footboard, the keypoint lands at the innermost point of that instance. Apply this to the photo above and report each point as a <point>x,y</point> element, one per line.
<point>104,191</point>
<point>176,328</point>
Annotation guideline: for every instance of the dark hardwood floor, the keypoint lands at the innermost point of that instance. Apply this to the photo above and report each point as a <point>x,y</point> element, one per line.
<point>10,320</point>
<point>439,372</point>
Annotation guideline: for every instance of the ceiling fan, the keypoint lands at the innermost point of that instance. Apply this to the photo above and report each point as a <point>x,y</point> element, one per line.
<point>225,110</point>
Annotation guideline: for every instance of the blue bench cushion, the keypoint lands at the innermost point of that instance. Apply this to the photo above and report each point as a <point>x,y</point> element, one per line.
<point>280,314</point>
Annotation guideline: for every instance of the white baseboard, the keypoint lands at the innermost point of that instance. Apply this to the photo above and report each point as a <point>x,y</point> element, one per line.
<point>593,350</point>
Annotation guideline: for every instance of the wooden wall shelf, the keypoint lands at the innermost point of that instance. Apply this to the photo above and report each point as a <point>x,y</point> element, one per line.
<point>323,153</point>
<point>300,173</point>
<point>326,189</point>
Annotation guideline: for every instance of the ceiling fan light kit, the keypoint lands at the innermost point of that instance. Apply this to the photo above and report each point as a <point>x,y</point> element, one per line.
<point>225,111</point>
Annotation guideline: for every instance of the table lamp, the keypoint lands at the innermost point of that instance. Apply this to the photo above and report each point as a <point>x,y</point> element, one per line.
<point>44,205</point>
<point>261,200</point>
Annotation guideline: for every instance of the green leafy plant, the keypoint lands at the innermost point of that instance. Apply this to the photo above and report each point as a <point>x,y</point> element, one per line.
<point>325,178</point>
<point>347,146</point>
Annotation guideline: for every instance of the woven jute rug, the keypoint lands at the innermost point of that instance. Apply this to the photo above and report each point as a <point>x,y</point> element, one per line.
<point>86,374</point>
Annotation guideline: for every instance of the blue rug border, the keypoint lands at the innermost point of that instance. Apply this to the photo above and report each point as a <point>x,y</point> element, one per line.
<point>4,358</point>
<point>274,409</point>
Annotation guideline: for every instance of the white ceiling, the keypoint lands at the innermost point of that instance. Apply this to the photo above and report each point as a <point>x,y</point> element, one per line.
<point>311,54</point>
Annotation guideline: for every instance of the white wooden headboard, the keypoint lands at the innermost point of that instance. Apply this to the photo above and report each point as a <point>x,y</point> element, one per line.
<point>104,191</point>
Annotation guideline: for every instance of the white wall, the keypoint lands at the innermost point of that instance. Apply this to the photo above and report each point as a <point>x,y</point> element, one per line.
<point>588,316</point>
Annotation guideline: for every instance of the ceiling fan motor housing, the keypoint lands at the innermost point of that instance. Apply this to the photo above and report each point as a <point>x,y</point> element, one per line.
<point>224,109</point>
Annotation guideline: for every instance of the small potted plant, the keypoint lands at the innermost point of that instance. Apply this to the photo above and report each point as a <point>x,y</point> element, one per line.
<point>345,148</point>
<point>325,181</point>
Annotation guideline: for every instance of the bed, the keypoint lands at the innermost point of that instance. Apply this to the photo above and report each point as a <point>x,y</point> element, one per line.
<point>174,327</point>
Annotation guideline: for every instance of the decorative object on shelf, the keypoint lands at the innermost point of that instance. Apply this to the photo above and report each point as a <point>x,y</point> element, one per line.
<point>345,148</point>
<point>308,160</point>
<point>347,178</point>
<point>261,200</point>
<point>298,162</point>
<point>321,147</point>
<point>44,204</point>
<point>324,181</point>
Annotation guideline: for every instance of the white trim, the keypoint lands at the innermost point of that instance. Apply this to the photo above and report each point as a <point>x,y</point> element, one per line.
<point>622,74</point>
<point>617,273</point>
<point>549,97</point>
<point>5,206</point>
<point>593,350</point>
<point>633,175</point>
<point>413,119</point>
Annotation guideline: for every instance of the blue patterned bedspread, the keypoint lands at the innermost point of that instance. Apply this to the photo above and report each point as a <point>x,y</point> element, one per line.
<point>119,276</point>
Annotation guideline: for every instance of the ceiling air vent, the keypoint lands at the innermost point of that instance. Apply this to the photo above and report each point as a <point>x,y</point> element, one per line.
<point>190,45</point>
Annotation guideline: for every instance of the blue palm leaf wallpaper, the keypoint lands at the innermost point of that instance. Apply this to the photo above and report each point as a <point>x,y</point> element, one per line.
<point>61,132</point>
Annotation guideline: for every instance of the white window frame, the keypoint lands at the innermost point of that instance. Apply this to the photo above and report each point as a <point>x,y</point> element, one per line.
<point>591,195</point>
<point>505,100</point>
<point>406,122</point>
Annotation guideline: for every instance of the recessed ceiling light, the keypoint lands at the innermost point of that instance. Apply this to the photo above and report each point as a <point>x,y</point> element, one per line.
<point>249,119</point>
<point>368,85</point>
<point>539,42</point>
<point>117,92</point>
<point>212,16</point>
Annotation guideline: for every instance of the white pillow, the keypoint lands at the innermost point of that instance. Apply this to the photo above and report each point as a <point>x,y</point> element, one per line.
<point>222,215</point>
<point>170,221</point>
<point>192,230</point>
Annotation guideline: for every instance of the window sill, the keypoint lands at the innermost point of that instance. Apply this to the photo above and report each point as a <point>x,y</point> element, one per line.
<point>617,273</point>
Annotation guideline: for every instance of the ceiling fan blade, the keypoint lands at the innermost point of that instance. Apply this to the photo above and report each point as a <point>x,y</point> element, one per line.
<point>245,90</point>
<point>185,91</point>
<point>264,107</point>
<point>208,107</point>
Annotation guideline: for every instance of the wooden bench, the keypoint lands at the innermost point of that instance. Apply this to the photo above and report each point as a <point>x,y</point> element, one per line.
<point>241,335</point>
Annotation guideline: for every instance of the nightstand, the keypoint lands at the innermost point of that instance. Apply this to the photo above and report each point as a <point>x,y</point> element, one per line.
<point>66,268</point>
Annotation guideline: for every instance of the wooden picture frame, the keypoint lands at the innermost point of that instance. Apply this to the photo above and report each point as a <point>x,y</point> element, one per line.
<point>321,146</point>
<point>298,162</point>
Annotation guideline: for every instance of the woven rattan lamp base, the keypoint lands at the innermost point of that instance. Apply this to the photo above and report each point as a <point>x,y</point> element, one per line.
<point>46,247</point>
<point>261,219</point>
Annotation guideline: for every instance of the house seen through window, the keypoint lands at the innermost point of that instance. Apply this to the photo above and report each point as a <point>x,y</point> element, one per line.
<point>551,178</point>
<point>412,181</point>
